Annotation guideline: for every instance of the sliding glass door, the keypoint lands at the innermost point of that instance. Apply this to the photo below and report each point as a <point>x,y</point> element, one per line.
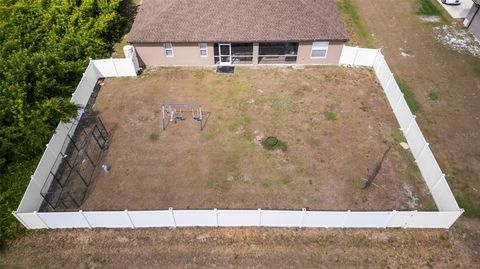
<point>225,53</point>
<point>233,53</point>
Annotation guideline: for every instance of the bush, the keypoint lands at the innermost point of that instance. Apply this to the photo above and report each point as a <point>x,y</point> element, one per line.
<point>45,47</point>
<point>273,143</point>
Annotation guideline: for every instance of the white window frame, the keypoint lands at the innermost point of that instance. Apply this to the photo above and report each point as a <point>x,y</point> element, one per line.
<point>319,46</point>
<point>204,49</point>
<point>166,47</point>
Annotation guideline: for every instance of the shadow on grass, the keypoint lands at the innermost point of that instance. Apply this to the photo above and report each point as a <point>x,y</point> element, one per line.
<point>128,10</point>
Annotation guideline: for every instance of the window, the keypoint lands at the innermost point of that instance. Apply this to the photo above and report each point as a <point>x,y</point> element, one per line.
<point>168,49</point>
<point>319,50</point>
<point>203,49</point>
<point>277,53</point>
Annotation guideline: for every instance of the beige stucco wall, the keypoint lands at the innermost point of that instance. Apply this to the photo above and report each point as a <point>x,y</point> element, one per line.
<point>333,54</point>
<point>188,54</point>
<point>183,54</point>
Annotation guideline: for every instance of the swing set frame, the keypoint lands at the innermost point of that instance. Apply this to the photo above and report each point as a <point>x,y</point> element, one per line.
<point>172,112</point>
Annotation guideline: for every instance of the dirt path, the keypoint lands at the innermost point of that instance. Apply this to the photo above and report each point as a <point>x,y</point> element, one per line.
<point>240,248</point>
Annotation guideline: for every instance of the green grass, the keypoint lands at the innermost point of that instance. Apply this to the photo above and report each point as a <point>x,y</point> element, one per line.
<point>397,136</point>
<point>154,137</point>
<point>330,115</point>
<point>118,48</point>
<point>352,18</point>
<point>476,66</point>
<point>433,95</point>
<point>471,210</point>
<point>200,75</point>
<point>409,96</point>
<point>286,179</point>
<point>427,7</point>
<point>308,76</point>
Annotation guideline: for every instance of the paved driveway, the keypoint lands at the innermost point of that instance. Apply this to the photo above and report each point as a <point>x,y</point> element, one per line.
<point>460,11</point>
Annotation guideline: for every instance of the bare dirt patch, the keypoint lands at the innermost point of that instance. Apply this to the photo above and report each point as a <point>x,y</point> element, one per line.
<point>459,40</point>
<point>335,122</point>
<point>241,248</point>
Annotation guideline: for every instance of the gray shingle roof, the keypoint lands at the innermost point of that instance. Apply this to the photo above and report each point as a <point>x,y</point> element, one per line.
<point>236,21</point>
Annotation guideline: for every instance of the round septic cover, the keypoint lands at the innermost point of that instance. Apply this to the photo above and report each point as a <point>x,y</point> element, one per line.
<point>271,141</point>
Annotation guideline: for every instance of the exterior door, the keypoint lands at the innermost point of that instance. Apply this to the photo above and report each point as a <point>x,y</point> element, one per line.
<point>225,53</point>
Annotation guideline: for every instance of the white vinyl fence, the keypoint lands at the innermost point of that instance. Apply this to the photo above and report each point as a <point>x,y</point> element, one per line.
<point>431,172</point>
<point>238,218</point>
<point>448,212</point>
<point>96,69</point>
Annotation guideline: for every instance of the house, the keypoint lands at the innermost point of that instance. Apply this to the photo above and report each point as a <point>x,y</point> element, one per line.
<point>216,32</point>
<point>472,21</point>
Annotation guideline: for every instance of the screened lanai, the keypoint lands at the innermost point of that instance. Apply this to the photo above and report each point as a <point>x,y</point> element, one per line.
<point>268,53</point>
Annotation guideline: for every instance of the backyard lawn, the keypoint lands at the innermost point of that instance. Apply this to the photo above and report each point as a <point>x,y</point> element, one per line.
<point>333,125</point>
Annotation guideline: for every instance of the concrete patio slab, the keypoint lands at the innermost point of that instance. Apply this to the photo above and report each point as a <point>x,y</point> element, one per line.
<point>458,11</point>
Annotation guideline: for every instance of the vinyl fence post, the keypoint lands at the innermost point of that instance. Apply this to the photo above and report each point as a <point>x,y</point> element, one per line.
<point>437,182</point>
<point>397,104</point>
<point>345,218</point>
<point>422,151</point>
<point>215,211</point>
<point>114,67</point>
<point>40,218</point>
<point>173,217</point>
<point>47,148</point>
<point>85,218</point>
<point>21,220</point>
<point>409,125</point>
<point>32,178</point>
<point>341,54</point>
<point>375,58</point>
<point>412,213</point>
<point>390,79</point>
<point>130,220</point>
<point>390,216</point>
<point>355,57</point>
<point>259,217</point>
<point>302,216</point>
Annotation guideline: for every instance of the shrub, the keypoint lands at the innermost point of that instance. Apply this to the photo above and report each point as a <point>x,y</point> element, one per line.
<point>45,47</point>
<point>433,95</point>
<point>330,115</point>
<point>273,143</point>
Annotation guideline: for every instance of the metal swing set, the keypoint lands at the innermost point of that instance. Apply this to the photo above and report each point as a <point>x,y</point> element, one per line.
<point>176,112</point>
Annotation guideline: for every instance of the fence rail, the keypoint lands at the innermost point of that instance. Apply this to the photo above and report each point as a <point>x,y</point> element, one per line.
<point>96,69</point>
<point>426,162</point>
<point>238,218</point>
<point>435,180</point>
